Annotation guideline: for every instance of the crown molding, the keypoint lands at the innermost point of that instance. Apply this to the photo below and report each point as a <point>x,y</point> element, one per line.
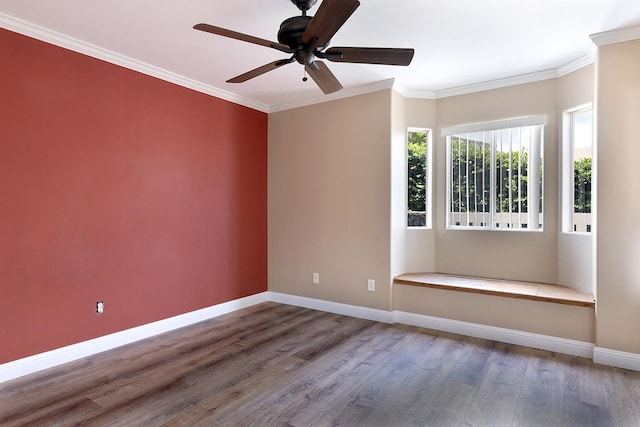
<point>345,93</point>
<point>40,33</point>
<point>585,60</point>
<point>410,93</point>
<point>498,83</point>
<point>563,70</point>
<point>616,36</point>
<point>43,34</point>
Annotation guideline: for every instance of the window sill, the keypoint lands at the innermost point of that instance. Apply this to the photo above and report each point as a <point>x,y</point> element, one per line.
<point>503,288</point>
<point>504,229</point>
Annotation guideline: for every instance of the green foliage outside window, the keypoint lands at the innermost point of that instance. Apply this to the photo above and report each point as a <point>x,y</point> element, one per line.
<point>582,185</point>
<point>417,162</point>
<point>471,178</point>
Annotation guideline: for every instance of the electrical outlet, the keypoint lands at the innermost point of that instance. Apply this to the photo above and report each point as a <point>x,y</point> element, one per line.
<point>371,285</point>
<point>316,278</point>
<point>100,307</point>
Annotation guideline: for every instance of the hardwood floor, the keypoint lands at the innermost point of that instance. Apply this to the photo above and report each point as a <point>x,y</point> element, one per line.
<point>275,364</point>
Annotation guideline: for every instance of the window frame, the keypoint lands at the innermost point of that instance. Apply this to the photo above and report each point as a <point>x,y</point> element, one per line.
<point>493,126</point>
<point>568,166</point>
<point>428,175</point>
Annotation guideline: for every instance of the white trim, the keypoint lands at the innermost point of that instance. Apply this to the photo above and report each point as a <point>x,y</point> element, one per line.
<point>411,93</point>
<point>333,307</point>
<point>344,93</point>
<point>428,178</point>
<point>497,83</point>
<point>571,66</point>
<point>584,61</point>
<point>619,359</point>
<point>40,33</point>
<point>538,120</point>
<point>510,336</point>
<point>76,45</point>
<point>38,362</point>
<point>49,359</point>
<point>616,36</point>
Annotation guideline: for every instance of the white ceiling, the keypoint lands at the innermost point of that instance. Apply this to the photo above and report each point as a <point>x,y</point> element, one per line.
<point>457,42</point>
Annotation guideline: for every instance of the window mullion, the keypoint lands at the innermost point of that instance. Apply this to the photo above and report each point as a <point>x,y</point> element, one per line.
<point>492,180</point>
<point>535,177</point>
<point>573,174</point>
<point>519,177</point>
<point>484,165</point>
<point>510,182</point>
<point>466,165</point>
<point>459,178</point>
<point>484,219</point>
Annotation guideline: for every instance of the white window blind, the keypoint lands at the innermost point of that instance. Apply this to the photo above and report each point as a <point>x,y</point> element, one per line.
<point>494,175</point>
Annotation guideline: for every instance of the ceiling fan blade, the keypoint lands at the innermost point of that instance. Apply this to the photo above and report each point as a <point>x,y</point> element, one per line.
<point>324,78</point>
<point>243,37</point>
<point>331,15</point>
<point>260,70</point>
<point>370,55</point>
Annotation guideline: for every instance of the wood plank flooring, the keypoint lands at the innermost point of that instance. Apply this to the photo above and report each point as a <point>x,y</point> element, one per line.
<point>274,365</point>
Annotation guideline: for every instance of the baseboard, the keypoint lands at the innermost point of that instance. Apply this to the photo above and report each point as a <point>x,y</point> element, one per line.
<point>38,362</point>
<point>619,359</point>
<point>49,359</point>
<point>510,336</point>
<point>333,307</point>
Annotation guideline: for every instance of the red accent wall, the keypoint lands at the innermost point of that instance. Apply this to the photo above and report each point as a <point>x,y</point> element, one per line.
<point>120,187</point>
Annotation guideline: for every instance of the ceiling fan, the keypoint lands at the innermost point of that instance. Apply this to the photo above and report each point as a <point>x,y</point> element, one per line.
<point>306,38</point>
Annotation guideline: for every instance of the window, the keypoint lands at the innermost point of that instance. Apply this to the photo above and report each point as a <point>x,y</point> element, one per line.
<point>577,164</point>
<point>419,185</point>
<point>495,175</point>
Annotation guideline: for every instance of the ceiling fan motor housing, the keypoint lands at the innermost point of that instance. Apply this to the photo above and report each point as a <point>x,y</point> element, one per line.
<point>291,31</point>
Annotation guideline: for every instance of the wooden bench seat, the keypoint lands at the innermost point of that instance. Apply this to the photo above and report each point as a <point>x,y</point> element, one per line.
<point>504,288</point>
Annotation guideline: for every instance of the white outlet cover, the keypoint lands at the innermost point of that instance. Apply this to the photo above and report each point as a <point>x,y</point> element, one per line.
<point>371,285</point>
